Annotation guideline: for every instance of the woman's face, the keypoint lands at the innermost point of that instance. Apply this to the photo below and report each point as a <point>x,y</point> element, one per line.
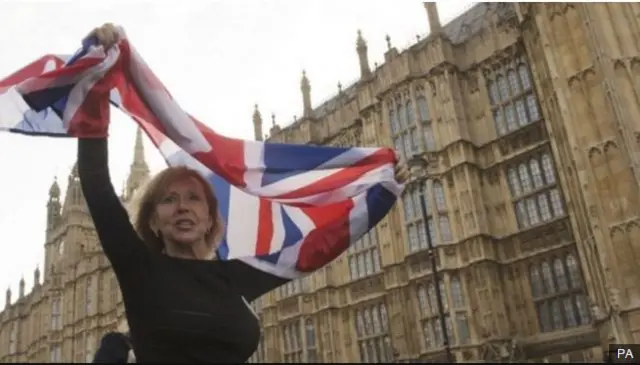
<point>182,214</point>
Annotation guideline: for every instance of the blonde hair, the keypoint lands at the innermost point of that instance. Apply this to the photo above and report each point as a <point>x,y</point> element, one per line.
<point>148,198</point>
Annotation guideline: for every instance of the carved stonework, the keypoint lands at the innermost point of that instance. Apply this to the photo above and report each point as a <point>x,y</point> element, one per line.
<point>347,137</point>
<point>472,80</point>
<point>558,9</point>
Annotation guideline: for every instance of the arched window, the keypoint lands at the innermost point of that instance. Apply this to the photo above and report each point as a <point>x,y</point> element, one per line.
<point>504,89</point>
<point>400,112</point>
<point>525,179</point>
<point>524,77</point>
<point>512,97</point>
<point>536,281</point>
<point>456,293</point>
<point>513,82</point>
<point>422,300</point>
<point>310,333</point>
<point>360,324</point>
<point>536,173</point>
<point>409,111</point>
<point>423,108</point>
<point>494,94</point>
<point>441,202</point>
<point>559,304</point>
<point>88,295</point>
<point>393,122</point>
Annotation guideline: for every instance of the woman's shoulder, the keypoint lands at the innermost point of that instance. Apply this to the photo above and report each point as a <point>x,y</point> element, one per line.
<point>251,280</point>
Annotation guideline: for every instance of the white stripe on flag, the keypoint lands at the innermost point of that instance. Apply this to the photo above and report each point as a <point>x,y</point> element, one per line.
<point>358,217</point>
<point>289,255</point>
<point>301,220</point>
<point>12,109</point>
<point>15,113</point>
<point>309,177</point>
<point>49,66</point>
<point>254,158</point>
<point>278,229</point>
<point>286,266</point>
<point>242,223</point>
<point>383,174</point>
<point>177,123</point>
<point>173,153</point>
<point>79,92</point>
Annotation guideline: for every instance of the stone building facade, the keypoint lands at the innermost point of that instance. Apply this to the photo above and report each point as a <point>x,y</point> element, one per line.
<point>529,116</point>
<point>77,299</point>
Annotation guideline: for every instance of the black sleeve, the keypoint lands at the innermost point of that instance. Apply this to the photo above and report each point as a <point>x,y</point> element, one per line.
<point>119,240</point>
<point>251,282</point>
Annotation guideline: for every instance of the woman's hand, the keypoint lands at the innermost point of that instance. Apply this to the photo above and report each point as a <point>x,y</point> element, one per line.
<point>107,35</point>
<point>401,171</point>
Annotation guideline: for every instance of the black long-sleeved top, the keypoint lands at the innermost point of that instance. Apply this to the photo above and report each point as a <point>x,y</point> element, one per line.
<point>179,310</point>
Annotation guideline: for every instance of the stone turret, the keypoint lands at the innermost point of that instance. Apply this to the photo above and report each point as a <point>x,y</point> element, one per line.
<point>275,129</point>
<point>434,19</point>
<point>305,87</point>
<point>361,47</point>
<point>21,288</point>
<point>139,170</point>
<point>73,199</point>
<point>257,124</point>
<point>36,276</point>
<point>54,208</point>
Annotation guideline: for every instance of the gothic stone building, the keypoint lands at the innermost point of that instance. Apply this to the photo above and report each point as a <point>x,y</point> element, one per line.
<point>64,316</point>
<point>528,115</point>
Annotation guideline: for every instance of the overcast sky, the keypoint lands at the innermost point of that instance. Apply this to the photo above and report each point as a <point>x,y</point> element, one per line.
<point>217,58</point>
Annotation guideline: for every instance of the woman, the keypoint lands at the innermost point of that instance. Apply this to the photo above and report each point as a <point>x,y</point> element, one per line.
<point>182,304</point>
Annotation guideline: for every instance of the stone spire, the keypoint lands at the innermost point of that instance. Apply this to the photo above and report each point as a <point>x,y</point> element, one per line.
<point>391,50</point>
<point>53,206</point>
<point>305,87</point>
<point>21,288</point>
<point>361,47</point>
<point>36,276</point>
<point>74,196</point>
<point>74,171</point>
<point>7,298</point>
<point>139,170</point>
<point>434,19</point>
<point>257,124</point>
<point>54,190</point>
<point>275,129</point>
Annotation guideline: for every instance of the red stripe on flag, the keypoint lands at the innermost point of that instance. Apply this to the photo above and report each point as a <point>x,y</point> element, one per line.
<point>344,176</point>
<point>226,157</point>
<point>58,77</point>
<point>134,105</point>
<point>34,69</point>
<point>92,117</point>
<point>330,238</point>
<point>265,227</point>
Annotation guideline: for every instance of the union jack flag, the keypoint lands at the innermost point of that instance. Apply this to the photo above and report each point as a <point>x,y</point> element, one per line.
<point>289,209</point>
